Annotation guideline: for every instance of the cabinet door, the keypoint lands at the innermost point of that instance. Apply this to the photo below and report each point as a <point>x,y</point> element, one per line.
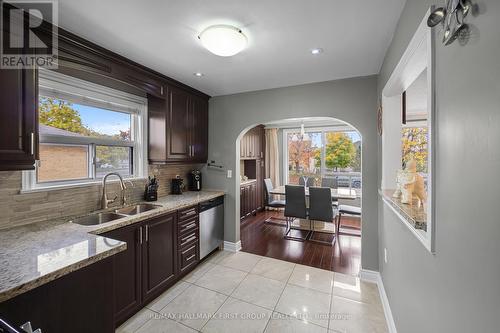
<point>159,255</point>
<point>157,122</point>
<point>250,145</point>
<point>243,147</point>
<point>253,198</point>
<point>179,125</point>
<point>242,201</point>
<point>18,119</point>
<point>259,175</point>
<point>127,272</point>
<point>199,130</point>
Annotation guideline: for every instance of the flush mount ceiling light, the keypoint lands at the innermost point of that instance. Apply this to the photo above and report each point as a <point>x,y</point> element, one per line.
<point>316,51</point>
<point>223,40</point>
<point>198,74</point>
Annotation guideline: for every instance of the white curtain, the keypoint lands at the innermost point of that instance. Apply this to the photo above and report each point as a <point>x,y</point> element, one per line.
<point>272,162</point>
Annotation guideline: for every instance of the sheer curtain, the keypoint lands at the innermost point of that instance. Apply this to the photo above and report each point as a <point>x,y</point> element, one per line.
<point>272,162</point>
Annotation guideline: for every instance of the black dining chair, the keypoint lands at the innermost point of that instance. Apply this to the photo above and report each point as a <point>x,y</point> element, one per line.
<point>270,201</point>
<point>295,208</point>
<point>331,182</point>
<point>321,209</point>
<point>347,210</point>
<point>310,181</point>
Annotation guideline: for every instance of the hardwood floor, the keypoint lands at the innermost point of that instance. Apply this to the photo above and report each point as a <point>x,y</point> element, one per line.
<point>267,240</point>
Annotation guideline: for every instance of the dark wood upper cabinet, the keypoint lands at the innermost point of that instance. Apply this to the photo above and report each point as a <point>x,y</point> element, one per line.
<point>178,125</point>
<point>159,259</point>
<point>157,120</point>
<point>127,272</point>
<point>18,119</point>
<point>199,133</point>
<point>178,128</point>
<point>251,144</point>
<point>178,114</point>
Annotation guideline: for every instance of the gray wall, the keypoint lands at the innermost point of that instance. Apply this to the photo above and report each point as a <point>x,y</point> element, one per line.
<point>351,100</point>
<point>458,288</point>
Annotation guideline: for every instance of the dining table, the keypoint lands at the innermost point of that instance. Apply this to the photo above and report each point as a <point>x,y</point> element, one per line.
<point>337,193</point>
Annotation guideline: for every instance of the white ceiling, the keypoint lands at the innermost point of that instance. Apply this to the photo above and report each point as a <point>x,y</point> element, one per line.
<point>161,34</point>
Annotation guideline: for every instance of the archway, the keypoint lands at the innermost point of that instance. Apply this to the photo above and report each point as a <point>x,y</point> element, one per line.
<point>352,100</point>
<point>310,142</point>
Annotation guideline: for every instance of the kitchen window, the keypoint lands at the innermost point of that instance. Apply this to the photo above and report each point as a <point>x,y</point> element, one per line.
<point>86,131</point>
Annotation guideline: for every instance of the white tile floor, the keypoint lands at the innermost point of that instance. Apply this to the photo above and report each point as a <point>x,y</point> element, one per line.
<point>242,292</point>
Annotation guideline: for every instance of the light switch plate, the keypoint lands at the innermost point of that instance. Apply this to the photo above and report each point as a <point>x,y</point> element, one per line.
<point>229,173</point>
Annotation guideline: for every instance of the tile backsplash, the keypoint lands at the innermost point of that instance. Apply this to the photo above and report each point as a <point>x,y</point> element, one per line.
<point>24,208</point>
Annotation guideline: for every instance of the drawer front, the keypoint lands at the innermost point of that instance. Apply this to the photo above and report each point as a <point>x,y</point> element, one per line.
<point>188,239</point>
<point>188,257</point>
<point>188,213</point>
<point>188,226</point>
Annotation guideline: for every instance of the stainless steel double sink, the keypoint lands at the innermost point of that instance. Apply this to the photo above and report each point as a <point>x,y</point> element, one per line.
<point>104,217</point>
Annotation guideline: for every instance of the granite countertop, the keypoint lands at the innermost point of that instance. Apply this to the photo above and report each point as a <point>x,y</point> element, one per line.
<point>414,213</point>
<point>35,254</point>
<point>249,181</point>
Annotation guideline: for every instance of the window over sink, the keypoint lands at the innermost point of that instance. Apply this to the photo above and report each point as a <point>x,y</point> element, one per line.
<point>86,131</point>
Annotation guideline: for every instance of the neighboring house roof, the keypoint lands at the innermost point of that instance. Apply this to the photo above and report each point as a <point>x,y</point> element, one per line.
<point>49,130</point>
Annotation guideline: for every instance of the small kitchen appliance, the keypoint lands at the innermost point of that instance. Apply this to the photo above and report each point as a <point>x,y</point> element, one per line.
<point>195,180</point>
<point>177,185</point>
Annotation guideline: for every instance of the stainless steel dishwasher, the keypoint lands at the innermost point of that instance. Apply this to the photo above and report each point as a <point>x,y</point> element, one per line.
<point>211,225</point>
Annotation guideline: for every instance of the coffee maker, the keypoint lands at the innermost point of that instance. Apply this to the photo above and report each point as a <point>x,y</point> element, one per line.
<point>195,180</point>
<point>177,185</point>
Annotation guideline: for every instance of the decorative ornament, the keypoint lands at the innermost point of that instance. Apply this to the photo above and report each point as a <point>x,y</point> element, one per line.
<point>451,17</point>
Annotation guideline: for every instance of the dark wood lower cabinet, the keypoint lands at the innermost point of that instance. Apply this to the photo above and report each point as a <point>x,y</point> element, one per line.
<point>79,302</point>
<point>248,199</point>
<point>188,235</point>
<point>102,296</point>
<point>159,252</point>
<point>159,260</point>
<point>127,272</point>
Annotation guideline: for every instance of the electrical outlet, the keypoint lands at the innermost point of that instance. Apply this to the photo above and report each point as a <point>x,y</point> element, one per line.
<point>385,255</point>
<point>229,173</point>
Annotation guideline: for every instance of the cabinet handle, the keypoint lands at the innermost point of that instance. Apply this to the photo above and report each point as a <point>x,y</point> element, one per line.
<point>188,239</point>
<point>140,235</point>
<point>147,233</point>
<point>191,257</point>
<point>190,212</point>
<point>32,143</point>
<point>189,226</point>
<point>161,90</point>
<point>186,251</point>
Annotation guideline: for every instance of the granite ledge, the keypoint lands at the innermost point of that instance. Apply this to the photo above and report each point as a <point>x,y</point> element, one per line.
<point>414,214</point>
<point>35,254</point>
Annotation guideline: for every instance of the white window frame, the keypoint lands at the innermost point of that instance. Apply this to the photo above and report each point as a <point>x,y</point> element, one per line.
<point>52,84</point>
<point>323,131</point>
<point>418,56</point>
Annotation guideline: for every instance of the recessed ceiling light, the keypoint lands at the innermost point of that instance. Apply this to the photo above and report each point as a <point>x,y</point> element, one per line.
<point>316,51</point>
<point>223,40</point>
<point>198,74</point>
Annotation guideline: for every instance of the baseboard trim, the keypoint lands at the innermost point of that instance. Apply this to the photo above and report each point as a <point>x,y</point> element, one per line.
<point>232,247</point>
<point>375,277</point>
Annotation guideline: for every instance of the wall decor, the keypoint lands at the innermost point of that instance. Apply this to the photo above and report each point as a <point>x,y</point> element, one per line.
<point>452,18</point>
